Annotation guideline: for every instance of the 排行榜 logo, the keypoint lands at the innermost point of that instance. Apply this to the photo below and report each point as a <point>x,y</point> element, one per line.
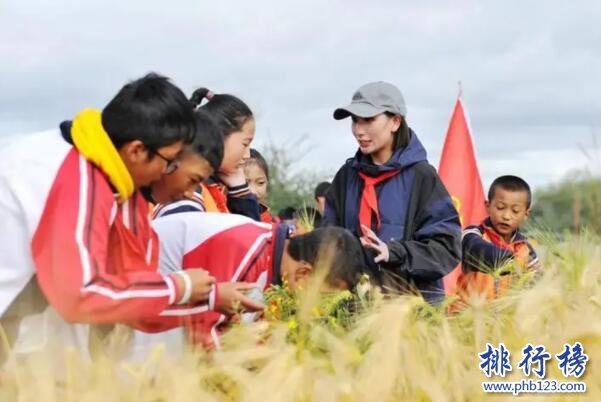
<point>534,360</point>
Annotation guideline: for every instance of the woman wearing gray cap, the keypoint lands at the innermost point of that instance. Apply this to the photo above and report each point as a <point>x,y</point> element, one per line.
<point>391,197</point>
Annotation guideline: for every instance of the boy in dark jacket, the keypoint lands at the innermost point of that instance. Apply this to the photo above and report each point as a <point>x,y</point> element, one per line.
<point>489,248</point>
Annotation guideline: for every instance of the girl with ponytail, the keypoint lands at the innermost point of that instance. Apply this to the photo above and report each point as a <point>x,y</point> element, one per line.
<point>226,190</point>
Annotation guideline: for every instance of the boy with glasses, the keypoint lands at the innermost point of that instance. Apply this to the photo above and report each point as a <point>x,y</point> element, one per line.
<point>76,232</point>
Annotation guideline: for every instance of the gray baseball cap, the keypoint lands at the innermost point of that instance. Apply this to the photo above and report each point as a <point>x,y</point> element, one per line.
<point>372,99</point>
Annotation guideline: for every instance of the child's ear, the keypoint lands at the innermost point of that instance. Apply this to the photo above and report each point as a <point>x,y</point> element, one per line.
<point>303,271</point>
<point>134,151</point>
<point>527,214</point>
<point>486,204</point>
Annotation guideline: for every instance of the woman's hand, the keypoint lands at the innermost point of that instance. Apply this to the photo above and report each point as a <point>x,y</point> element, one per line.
<point>371,241</point>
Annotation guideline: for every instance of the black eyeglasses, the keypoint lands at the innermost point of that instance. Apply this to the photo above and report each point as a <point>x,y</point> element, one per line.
<point>172,164</point>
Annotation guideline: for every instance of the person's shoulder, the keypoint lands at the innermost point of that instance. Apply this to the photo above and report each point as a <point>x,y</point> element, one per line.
<point>342,173</point>
<point>424,169</point>
<point>348,164</point>
<point>472,229</point>
<point>427,182</point>
<point>178,207</point>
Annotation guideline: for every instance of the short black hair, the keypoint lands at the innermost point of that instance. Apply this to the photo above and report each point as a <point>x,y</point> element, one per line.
<point>347,260</point>
<point>230,113</point>
<point>287,213</point>
<point>152,110</point>
<point>321,189</point>
<point>208,141</point>
<point>257,158</point>
<point>510,183</point>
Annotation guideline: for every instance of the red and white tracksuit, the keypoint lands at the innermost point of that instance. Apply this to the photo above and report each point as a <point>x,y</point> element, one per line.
<point>95,260</point>
<point>231,247</point>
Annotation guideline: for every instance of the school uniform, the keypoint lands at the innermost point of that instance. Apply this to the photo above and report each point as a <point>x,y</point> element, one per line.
<point>89,248</point>
<point>232,248</point>
<point>484,251</point>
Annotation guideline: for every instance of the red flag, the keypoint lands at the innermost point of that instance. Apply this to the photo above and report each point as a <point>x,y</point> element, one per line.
<point>458,170</point>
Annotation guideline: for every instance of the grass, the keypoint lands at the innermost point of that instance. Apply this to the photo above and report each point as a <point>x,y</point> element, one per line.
<point>397,349</point>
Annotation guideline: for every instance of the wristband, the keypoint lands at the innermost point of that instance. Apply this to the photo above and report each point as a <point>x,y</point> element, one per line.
<point>187,293</point>
<point>212,296</point>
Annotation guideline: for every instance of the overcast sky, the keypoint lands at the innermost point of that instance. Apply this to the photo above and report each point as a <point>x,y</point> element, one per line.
<point>531,70</point>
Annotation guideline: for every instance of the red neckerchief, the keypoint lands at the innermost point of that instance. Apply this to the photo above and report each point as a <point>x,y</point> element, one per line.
<point>216,191</point>
<point>266,214</point>
<point>369,198</point>
<point>495,238</point>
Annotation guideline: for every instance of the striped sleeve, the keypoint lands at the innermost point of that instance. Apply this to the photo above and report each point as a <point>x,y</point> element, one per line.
<point>479,254</point>
<point>475,230</point>
<point>238,191</point>
<point>70,250</point>
<point>241,201</point>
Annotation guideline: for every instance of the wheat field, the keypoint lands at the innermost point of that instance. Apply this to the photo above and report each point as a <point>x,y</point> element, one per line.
<point>393,349</point>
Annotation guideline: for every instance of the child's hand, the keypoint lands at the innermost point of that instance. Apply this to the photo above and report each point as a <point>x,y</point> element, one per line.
<point>231,298</point>
<point>372,241</point>
<point>202,283</point>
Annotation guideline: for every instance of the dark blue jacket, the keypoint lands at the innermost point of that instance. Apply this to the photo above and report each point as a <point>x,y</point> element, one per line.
<point>419,222</point>
<point>482,255</point>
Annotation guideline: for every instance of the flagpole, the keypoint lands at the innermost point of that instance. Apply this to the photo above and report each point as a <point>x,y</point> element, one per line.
<point>460,89</point>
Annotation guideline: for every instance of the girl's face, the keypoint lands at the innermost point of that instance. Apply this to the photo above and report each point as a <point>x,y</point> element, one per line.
<point>237,148</point>
<point>193,169</point>
<point>257,180</point>
<point>375,135</point>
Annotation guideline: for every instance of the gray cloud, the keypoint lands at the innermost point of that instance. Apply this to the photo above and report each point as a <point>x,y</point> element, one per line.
<point>530,70</point>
